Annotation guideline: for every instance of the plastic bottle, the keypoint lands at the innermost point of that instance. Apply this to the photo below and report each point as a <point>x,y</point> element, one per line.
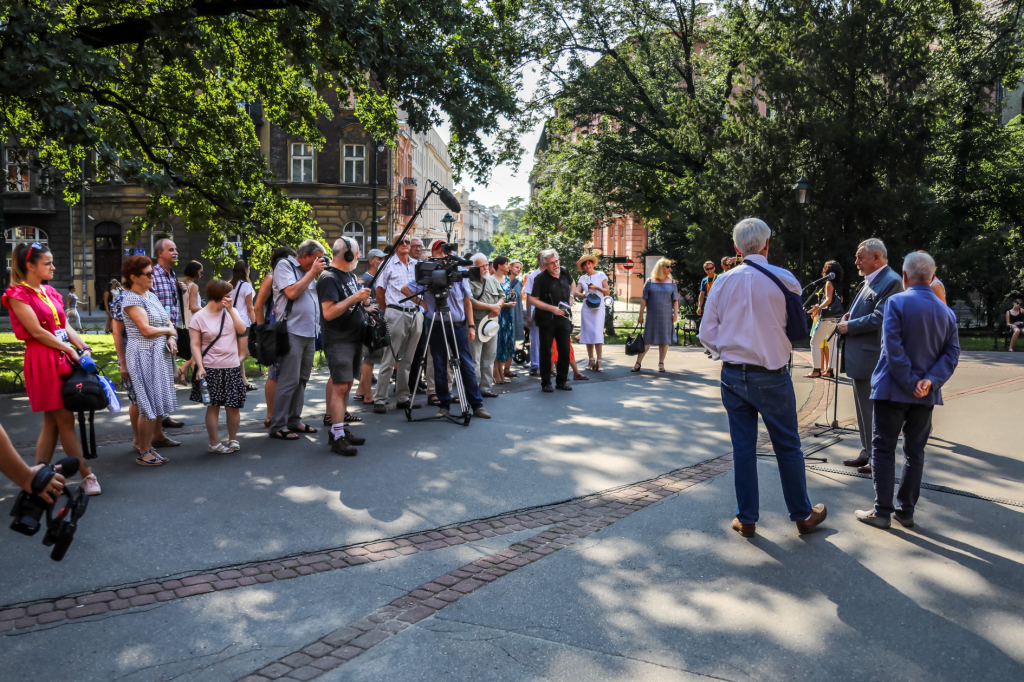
<point>204,391</point>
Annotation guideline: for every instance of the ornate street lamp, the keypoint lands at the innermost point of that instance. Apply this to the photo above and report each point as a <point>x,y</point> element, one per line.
<point>803,190</point>
<point>448,221</point>
<point>378,148</point>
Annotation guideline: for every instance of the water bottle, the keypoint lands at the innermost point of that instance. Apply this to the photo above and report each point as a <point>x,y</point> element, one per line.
<point>204,391</point>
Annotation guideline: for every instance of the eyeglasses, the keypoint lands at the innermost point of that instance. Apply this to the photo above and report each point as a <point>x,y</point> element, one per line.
<point>148,274</point>
<point>406,242</point>
<point>708,269</point>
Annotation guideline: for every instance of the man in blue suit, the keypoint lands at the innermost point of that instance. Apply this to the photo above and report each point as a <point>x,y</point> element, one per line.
<point>862,327</point>
<point>920,350</point>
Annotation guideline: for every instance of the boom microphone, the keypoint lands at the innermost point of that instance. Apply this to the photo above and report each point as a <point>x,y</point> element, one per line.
<point>449,200</point>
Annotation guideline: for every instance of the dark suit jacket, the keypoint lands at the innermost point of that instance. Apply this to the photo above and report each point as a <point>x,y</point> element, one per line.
<point>864,337</point>
<point>919,341</point>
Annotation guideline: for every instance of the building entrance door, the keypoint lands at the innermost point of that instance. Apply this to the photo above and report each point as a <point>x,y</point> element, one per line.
<point>106,257</point>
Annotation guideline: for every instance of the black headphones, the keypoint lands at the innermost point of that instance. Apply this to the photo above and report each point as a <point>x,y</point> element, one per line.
<point>349,255</point>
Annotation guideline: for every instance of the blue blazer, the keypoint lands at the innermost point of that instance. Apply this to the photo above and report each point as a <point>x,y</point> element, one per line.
<point>919,341</point>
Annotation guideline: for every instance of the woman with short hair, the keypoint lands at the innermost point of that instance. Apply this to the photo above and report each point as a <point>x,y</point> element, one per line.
<point>661,302</point>
<point>149,353</point>
<point>592,286</point>
<point>214,333</point>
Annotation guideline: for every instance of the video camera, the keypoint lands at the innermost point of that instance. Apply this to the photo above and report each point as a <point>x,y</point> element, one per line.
<point>60,527</point>
<point>439,275</point>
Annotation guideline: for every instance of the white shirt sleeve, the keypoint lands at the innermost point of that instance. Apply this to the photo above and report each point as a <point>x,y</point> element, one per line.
<point>710,324</point>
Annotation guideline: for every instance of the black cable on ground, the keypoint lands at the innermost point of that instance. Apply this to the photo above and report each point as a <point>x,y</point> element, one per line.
<point>926,486</point>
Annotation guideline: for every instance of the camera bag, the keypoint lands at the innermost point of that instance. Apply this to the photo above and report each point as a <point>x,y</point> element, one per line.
<point>83,392</point>
<point>271,338</point>
<point>184,339</point>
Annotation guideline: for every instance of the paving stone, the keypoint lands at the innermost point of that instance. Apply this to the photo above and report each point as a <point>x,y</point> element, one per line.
<point>403,542</point>
<point>406,551</point>
<point>321,567</point>
<point>435,603</point>
<point>347,653</point>
<point>381,546</point>
<point>96,598</point>
<point>472,537</point>
<point>305,570</point>
<point>27,621</point>
<point>88,610</point>
<point>315,559</point>
<point>35,609</point>
<point>230,575</point>
<point>46,618</point>
<point>497,572</point>
<point>450,532</point>
<point>409,602</point>
<point>471,569</point>
<point>285,574</point>
<point>390,554</point>
<point>342,636</point>
<point>421,594</point>
<point>246,581</point>
<point>434,535</point>
<point>339,563</point>
<point>485,576</point>
<point>357,551</point>
<point>142,600</point>
<point>544,550</point>
<point>418,539</point>
<point>172,584</point>
<point>297,660</point>
<point>432,545</point>
<point>448,595</point>
<point>166,595</point>
<point>264,578</point>
<point>126,593</point>
<point>250,571</point>
<point>357,560</point>
<point>193,590</point>
<point>502,531</point>
<point>468,585</point>
<point>487,533</point>
<point>417,614</point>
<point>327,662</point>
<point>369,639</point>
<point>518,561</point>
<point>374,556</point>
<point>447,580</point>
<point>393,626</point>
<point>152,588</point>
<point>290,563</point>
<point>118,604</point>
<point>364,625</point>
<point>383,614</point>
<point>254,678</point>
<point>225,585</point>
<point>532,556</point>
<point>481,526</point>
<point>508,566</point>
<point>275,670</point>
<point>270,568</point>
<point>198,580</point>
<point>433,587</point>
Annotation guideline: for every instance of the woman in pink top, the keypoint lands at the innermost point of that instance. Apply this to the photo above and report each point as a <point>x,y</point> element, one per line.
<point>214,331</point>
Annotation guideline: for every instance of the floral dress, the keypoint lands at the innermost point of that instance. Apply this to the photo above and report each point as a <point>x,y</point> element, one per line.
<point>506,327</point>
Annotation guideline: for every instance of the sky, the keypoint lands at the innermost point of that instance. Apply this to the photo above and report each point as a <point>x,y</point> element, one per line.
<point>505,184</point>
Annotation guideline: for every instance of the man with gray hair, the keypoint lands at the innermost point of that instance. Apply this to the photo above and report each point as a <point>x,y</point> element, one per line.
<point>487,298</point>
<point>920,350</point>
<point>862,325</point>
<point>552,300</point>
<point>745,327</point>
<point>169,290</point>
<point>295,299</point>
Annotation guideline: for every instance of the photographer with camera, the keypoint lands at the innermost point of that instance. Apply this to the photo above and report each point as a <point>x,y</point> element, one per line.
<point>405,322</point>
<point>488,300</point>
<point>22,475</point>
<point>295,283</point>
<point>551,296</point>
<point>341,303</point>
<point>460,303</point>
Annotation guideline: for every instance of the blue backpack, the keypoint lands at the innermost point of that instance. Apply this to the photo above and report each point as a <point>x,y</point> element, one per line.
<point>796,317</point>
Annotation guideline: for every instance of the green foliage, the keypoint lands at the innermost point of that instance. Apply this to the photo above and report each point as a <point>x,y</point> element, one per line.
<point>484,246</point>
<point>510,218</point>
<point>158,89</point>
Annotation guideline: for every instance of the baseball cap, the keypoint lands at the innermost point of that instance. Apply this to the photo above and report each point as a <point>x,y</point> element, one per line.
<point>376,253</point>
<point>436,243</point>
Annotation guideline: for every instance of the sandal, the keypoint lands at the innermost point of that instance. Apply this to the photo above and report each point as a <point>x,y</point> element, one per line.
<point>815,374</point>
<point>827,374</point>
<point>219,449</point>
<point>511,375</point>
<point>580,377</point>
<point>433,401</point>
<point>328,419</point>
<point>636,368</point>
<point>598,367</point>
<point>306,428</point>
<point>266,423</point>
<point>349,417</point>
<point>234,446</point>
<point>284,435</point>
<point>155,462</point>
<point>661,367</point>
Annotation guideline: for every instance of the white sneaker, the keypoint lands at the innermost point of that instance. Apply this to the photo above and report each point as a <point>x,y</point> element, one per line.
<point>91,485</point>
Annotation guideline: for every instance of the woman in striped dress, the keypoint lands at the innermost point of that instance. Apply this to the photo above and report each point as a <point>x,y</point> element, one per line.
<point>149,354</point>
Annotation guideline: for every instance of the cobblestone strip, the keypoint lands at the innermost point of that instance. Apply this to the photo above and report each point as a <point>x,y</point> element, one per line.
<point>379,625</point>
<point>575,513</point>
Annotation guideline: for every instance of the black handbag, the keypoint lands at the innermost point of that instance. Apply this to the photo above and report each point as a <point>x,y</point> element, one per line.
<point>184,338</point>
<point>635,342</point>
<point>375,331</point>
<point>82,392</point>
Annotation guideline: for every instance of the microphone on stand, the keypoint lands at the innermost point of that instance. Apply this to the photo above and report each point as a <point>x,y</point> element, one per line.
<point>830,276</point>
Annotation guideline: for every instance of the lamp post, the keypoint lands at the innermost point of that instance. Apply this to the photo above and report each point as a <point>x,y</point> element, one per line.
<point>448,221</point>
<point>803,189</point>
<point>377,149</point>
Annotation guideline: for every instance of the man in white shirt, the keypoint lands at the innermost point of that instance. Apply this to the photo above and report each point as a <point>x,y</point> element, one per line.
<point>528,319</point>
<point>405,322</point>
<point>745,326</point>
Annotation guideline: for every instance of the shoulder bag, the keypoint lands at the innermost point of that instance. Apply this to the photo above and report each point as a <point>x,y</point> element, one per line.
<point>82,392</point>
<point>796,316</point>
<point>635,342</point>
<point>184,338</point>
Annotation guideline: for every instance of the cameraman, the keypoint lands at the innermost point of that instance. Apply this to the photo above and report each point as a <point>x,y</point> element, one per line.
<point>341,303</point>
<point>461,305</point>
<point>488,300</point>
<point>551,295</point>
<point>13,467</point>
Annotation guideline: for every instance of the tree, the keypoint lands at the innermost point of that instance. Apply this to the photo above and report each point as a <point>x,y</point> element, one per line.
<point>510,217</point>
<point>155,86</point>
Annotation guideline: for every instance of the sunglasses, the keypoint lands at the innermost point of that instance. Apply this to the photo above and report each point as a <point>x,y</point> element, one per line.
<point>406,242</point>
<point>148,274</point>
<point>708,269</point>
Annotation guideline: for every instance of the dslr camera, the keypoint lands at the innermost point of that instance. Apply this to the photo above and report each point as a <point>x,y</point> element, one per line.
<point>60,527</point>
<point>439,275</point>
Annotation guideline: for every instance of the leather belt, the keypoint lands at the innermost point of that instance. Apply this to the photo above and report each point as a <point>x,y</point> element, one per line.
<point>410,311</point>
<point>753,368</point>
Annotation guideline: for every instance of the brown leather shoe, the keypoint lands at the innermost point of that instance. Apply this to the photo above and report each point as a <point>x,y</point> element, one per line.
<point>866,469</point>
<point>744,529</point>
<point>857,461</point>
<point>818,514</point>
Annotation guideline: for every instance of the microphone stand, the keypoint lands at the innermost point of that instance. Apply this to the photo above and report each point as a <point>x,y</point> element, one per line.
<point>834,426</point>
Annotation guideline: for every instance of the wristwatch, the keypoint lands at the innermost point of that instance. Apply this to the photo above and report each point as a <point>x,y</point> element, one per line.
<point>471,326</point>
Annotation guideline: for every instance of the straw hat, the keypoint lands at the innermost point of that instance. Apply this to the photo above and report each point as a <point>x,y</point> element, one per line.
<point>589,257</point>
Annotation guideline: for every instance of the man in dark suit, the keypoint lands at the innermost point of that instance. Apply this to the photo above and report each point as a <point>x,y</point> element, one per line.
<point>920,350</point>
<point>862,326</point>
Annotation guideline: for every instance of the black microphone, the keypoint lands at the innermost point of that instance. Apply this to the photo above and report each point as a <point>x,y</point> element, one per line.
<point>449,200</point>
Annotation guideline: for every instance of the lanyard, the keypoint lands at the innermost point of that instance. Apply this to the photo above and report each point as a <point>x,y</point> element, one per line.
<point>53,309</point>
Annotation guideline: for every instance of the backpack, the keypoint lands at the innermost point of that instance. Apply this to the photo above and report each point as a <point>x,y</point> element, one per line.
<point>796,316</point>
<point>83,392</point>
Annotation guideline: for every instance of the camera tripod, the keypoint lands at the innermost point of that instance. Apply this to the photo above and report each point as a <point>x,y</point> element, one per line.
<point>454,363</point>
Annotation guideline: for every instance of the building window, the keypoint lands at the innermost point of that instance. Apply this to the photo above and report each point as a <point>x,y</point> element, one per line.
<point>22,235</point>
<point>409,202</point>
<point>354,231</point>
<point>17,178</point>
<point>163,230</point>
<point>302,162</point>
<point>355,164</point>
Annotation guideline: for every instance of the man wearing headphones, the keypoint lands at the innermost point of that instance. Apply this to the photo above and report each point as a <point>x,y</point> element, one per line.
<point>341,304</point>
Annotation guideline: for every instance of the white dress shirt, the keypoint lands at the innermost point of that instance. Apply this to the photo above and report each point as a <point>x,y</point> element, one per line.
<point>397,275</point>
<point>745,316</point>
<point>868,279</point>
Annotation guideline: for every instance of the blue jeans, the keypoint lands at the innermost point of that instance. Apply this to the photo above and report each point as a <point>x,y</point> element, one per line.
<point>440,356</point>
<point>916,423</point>
<point>745,395</point>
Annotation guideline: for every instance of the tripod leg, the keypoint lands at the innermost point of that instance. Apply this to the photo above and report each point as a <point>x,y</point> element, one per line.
<point>415,382</point>
<point>454,361</point>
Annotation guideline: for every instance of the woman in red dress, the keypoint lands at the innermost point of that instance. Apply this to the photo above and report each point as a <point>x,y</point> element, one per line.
<point>37,317</point>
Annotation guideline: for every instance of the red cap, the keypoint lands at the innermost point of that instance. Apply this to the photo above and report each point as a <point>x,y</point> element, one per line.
<point>436,243</point>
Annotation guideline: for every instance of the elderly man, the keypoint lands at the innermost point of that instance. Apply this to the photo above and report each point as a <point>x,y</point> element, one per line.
<point>462,333</point>
<point>295,297</point>
<point>862,326</point>
<point>552,298</point>
<point>920,350</point>
<point>415,369</point>
<point>341,305</point>
<point>405,322</point>
<point>528,319</point>
<point>169,290</point>
<point>487,299</point>
<point>745,326</point>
